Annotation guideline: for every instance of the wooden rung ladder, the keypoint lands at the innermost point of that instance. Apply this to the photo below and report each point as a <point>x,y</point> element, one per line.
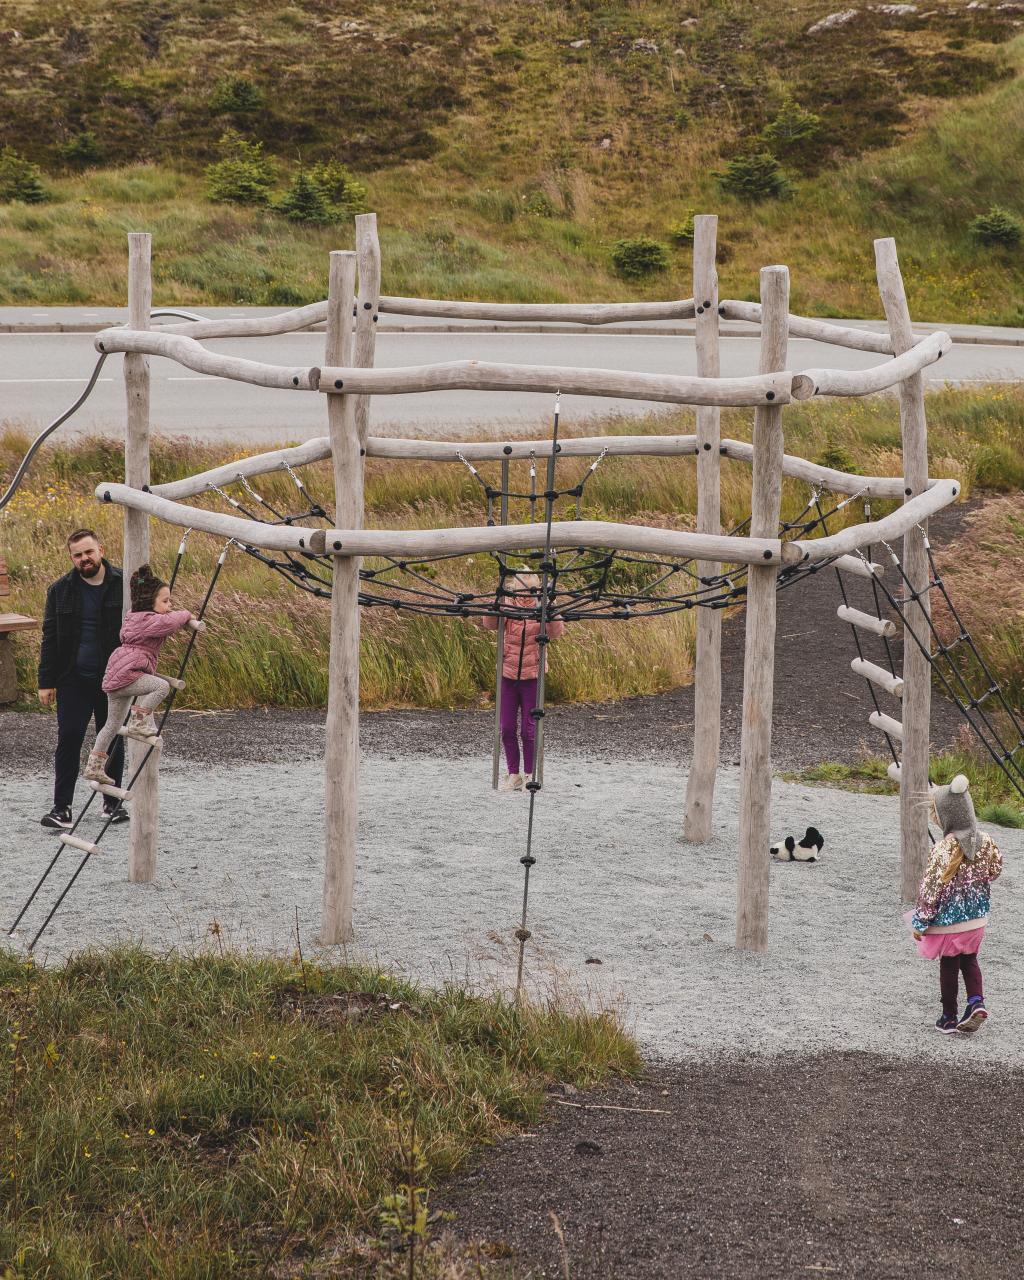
<point>861,568</point>
<point>76,842</point>
<point>893,772</point>
<point>878,675</point>
<point>892,728</point>
<point>106,789</point>
<point>866,621</point>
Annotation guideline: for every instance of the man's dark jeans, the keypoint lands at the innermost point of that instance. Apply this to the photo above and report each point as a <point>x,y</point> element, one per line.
<point>78,702</point>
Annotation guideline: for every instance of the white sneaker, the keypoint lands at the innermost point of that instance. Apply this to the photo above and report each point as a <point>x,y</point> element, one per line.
<point>515,782</point>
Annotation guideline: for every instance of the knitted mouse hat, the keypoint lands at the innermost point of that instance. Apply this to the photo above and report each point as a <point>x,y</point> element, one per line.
<point>955,808</point>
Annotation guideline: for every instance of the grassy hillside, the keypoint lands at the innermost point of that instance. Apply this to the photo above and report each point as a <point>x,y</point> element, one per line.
<point>506,147</point>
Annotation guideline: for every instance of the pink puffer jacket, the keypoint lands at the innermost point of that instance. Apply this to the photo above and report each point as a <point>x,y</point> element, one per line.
<point>141,637</point>
<point>520,659</point>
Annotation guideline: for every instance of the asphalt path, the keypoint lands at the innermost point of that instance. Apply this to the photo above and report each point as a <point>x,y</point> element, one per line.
<point>41,374</point>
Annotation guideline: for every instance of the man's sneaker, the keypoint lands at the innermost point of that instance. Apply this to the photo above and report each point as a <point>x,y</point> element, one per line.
<point>947,1024</point>
<point>974,1015</point>
<point>58,818</point>
<point>118,814</point>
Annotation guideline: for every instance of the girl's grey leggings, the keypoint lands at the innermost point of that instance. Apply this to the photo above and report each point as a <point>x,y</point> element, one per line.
<point>150,691</point>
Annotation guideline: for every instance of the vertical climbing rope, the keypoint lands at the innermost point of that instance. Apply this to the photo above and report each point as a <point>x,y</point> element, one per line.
<point>547,570</point>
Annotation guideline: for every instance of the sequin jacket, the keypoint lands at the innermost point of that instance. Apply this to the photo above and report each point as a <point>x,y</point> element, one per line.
<point>966,896</point>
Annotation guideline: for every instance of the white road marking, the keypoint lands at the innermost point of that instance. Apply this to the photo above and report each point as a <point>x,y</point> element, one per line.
<point>31,381</point>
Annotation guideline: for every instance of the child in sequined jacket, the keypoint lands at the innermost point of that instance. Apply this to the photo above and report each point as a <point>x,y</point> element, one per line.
<point>953,903</point>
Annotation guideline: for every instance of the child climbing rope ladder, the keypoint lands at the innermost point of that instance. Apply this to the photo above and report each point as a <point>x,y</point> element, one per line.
<point>132,666</point>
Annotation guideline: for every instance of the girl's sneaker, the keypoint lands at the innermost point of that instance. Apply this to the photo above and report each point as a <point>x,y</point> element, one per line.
<point>974,1015</point>
<point>94,771</point>
<point>947,1024</point>
<point>515,782</point>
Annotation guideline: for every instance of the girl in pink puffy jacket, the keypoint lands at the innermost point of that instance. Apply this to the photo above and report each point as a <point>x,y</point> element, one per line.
<point>132,667</point>
<point>520,668</point>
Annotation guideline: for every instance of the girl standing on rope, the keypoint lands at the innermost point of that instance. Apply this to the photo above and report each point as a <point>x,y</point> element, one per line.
<point>131,667</point>
<point>520,668</point>
<point>953,902</point>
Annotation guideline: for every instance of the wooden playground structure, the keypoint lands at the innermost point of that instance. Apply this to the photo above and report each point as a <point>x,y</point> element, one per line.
<point>348,381</point>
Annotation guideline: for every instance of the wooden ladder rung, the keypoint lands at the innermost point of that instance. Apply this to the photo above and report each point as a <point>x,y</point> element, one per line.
<point>887,724</point>
<point>894,772</point>
<point>120,793</point>
<point>866,621</point>
<point>861,568</point>
<point>137,737</point>
<point>76,842</point>
<point>878,675</point>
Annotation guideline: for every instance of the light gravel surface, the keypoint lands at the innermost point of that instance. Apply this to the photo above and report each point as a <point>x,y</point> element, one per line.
<point>439,890</point>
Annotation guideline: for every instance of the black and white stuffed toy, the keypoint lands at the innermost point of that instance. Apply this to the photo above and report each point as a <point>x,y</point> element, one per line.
<point>806,850</point>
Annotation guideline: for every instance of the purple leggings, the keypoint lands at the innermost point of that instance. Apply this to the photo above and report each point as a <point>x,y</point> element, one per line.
<point>950,968</point>
<point>518,699</point>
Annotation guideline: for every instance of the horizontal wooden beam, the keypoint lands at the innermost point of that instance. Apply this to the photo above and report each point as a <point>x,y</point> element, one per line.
<point>261,326</point>
<point>480,375</point>
<point>889,528</point>
<point>818,330</point>
<point>865,382</point>
<point>272,537</point>
<point>259,464</point>
<point>540,312</point>
<point>193,355</point>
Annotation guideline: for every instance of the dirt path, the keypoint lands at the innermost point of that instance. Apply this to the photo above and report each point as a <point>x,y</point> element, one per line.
<point>834,1165</point>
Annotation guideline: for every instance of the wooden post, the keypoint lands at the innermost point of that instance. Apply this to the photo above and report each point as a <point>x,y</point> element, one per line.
<point>145,807</point>
<point>917,687</point>
<point>368,258</point>
<point>759,655</point>
<point>707,676</point>
<point>342,751</point>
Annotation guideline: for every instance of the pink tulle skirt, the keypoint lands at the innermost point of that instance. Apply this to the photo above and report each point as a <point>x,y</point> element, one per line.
<point>933,946</point>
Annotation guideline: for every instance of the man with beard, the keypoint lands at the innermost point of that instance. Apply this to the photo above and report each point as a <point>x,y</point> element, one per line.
<point>81,629</point>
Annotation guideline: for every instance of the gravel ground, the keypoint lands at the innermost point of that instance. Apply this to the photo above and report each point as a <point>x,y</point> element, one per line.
<point>439,887</point>
<point>844,1165</point>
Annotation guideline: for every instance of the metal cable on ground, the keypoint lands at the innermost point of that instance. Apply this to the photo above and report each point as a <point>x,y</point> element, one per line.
<point>547,568</point>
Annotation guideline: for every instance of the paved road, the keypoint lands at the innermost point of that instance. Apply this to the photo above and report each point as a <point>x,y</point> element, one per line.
<point>40,374</point>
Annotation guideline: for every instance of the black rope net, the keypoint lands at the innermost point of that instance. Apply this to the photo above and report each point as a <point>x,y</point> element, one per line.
<point>585,584</point>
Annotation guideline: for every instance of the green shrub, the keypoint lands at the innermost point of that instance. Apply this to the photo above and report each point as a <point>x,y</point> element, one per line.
<point>304,202</point>
<point>539,204</point>
<point>836,456</point>
<point>346,194</point>
<point>681,233</point>
<point>998,228</point>
<point>243,174</point>
<point>754,177</point>
<point>639,257</point>
<point>81,151</point>
<point>20,179</point>
<point>793,134</point>
<point>238,96</point>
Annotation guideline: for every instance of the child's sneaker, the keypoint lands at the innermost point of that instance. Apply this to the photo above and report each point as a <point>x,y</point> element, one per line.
<point>515,782</point>
<point>974,1015</point>
<point>94,771</point>
<point>947,1024</point>
<point>141,725</point>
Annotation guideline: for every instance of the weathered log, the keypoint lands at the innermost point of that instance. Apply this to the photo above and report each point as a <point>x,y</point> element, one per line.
<point>707,727</point>
<point>878,675</point>
<point>860,568</point>
<point>866,621</point>
<point>890,527</point>
<point>541,312</point>
<point>481,375</point>
<point>193,355</point>
<point>818,330</point>
<point>886,724</point>
<point>261,326</point>
<point>865,382</point>
<point>759,652</point>
<point>917,676</point>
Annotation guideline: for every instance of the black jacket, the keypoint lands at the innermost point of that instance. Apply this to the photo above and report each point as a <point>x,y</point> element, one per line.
<point>62,625</point>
